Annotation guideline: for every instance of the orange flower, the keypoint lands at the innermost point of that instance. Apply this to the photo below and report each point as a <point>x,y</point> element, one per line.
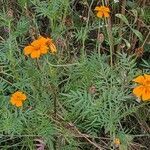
<point>39,47</point>
<point>142,91</point>
<point>103,11</point>
<point>116,141</point>
<point>17,98</point>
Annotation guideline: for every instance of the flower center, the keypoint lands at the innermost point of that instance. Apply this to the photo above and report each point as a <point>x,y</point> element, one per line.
<point>18,98</point>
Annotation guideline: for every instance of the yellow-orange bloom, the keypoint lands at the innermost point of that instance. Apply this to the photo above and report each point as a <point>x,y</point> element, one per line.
<point>116,141</point>
<point>17,98</point>
<point>40,47</point>
<point>142,91</point>
<point>102,11</point>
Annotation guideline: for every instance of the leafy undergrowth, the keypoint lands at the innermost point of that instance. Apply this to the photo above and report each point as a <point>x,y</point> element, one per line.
<point>67,72</point>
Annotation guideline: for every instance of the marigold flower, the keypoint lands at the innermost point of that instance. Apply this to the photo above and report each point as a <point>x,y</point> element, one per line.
<point>17,98</point>
<point>142,91</point>
<point>102,11</point>
<point>116,142</point>
<point>40,47</point>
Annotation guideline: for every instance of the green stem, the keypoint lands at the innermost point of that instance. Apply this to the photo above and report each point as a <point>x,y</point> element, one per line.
<point>86,31</point>
<point>110,38</point>
<point>99,42</point>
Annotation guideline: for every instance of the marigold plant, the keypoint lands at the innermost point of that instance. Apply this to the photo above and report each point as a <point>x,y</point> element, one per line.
<point>74,91</point>
<point>39,47</point>
<point>142,91</point>
<point>18,98</point>
<point>102,11</point>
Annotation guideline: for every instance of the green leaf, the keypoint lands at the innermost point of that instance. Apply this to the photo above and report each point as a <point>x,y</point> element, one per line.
<point>22,3</point>
<point>123,18</point>
<point>138,34</point>
<point>135,13</point>
<point>127,43</point>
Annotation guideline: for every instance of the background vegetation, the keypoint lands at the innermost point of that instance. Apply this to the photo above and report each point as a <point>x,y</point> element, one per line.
<point>81,97</point>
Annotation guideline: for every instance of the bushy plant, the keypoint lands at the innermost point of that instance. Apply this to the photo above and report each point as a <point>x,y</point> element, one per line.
<point>66,76</point>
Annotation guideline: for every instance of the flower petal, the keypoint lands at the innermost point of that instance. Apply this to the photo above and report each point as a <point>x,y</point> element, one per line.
<point>106,9</point>
<point>106,14</point>
<point>13,101</point>
<point>35,43</point>
<point>53,48</point>
<point>97,8</point>
<point>100,14</point>
<point>49,40</point>
<point>35,54</point>
<point>28,50</point>
<point>147,77</point>
<point>138,91</point>
<point>23,97</point>
<point>139,79</point>
<point>19,103</point>
<point>42,40</point>
<point>146,94</point>
<point>44,49</point>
